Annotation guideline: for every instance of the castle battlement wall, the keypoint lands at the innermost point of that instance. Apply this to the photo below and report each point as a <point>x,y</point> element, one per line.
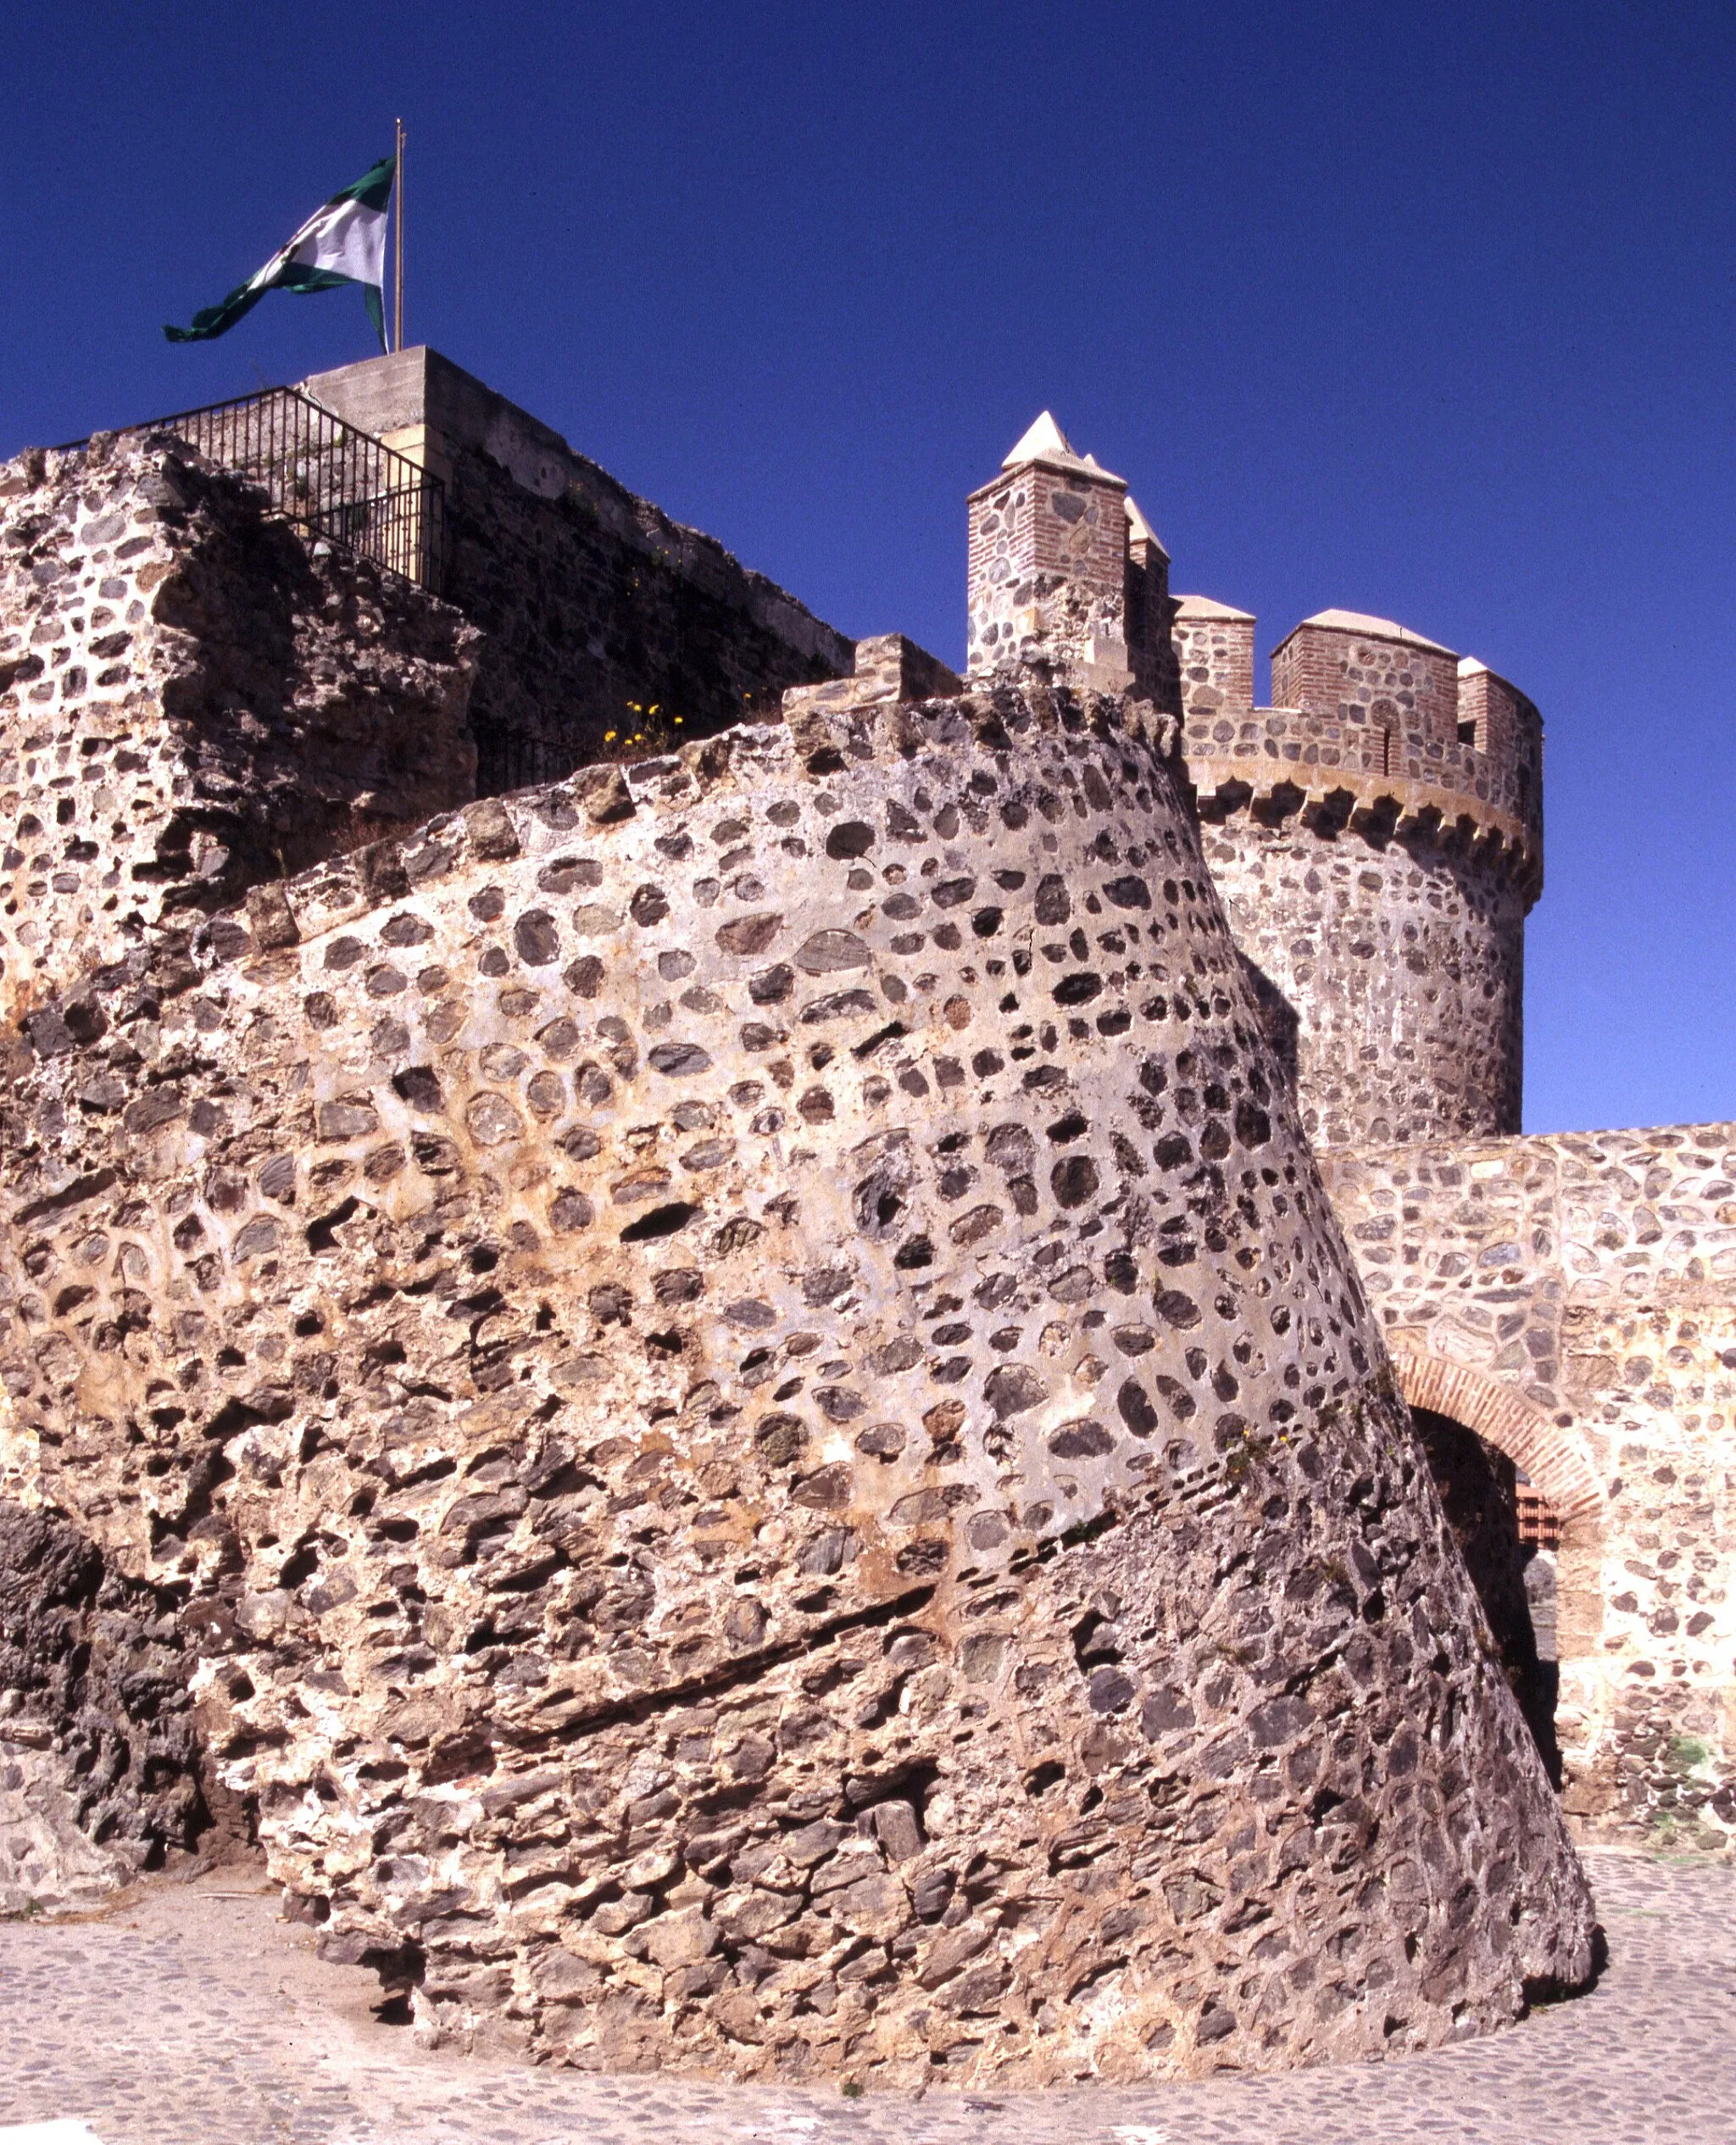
<point>1382,726</point>
<point>1591,1277</point>
<point>1377,835</point>
<point>1049,567</point>
<point>1213,654</point>
<point>1378,839</point>
<point>742,1395</point>
<point>595,607</point>
<point>192,700</point>
<point>740,1381</point>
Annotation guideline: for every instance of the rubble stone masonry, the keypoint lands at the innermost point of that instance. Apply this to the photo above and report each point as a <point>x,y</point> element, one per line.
<point>594,605</point>
<point>755,1404</point>
<point>1573,1298</point>
<point>740,1385</point>
<point>190,702</point>
<point>1049,572</point>
<point>101,1768</point>
<point>1377,858</point>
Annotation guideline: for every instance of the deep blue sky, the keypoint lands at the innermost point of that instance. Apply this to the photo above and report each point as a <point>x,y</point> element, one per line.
<point>1423,310</point>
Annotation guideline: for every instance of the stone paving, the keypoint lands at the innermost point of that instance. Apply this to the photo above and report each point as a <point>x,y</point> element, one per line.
<point>191,2015</point>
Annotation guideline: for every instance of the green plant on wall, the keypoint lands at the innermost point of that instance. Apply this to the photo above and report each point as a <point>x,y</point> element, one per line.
<point>1686,1754</point>
<point>645,731</point>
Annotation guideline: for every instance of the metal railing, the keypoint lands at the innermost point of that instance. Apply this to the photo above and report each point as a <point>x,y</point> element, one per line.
<point>323,475</point>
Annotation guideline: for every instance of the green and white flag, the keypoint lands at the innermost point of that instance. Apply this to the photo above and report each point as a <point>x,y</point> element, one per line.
<point>343,242</point>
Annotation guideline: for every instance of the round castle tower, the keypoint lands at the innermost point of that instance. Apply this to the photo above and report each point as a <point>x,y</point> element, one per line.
<point>1377,836</point>
<point>1377,839</point>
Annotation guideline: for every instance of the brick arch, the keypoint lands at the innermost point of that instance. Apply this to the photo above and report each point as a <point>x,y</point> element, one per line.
<point>1553,1458</point>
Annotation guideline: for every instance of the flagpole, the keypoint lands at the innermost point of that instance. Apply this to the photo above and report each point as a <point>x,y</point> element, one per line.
<point>397,251</point>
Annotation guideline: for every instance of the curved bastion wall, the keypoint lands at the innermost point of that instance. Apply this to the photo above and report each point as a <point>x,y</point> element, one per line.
<point>191,699</point>
<point>743,1385</point>
<point>1377,839</point>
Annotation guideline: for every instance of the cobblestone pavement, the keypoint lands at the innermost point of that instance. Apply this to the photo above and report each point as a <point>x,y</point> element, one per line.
<point>192,2016</point>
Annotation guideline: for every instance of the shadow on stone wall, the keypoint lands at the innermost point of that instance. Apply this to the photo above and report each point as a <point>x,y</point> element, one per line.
<point>99,1746</point>
<point>1478,1491</point>
<point>588,638</point>
<point>325,708</point>
<point>1279,1020</point>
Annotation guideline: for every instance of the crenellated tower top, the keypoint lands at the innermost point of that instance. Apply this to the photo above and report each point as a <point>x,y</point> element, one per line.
<point>1371,725</point>
<point>1067,578</point>
<point>1377,833</point>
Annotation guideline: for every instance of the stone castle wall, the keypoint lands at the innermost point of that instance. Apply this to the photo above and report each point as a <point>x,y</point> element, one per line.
<point>726,1368</point>
<point>1377,846</point>
<point>1050,577</point>
<point>1214,656</point>
<point>101,1764</point>
<point>595,607</point>
<point>1390,680</point>
<point>725,1390</point>
<point>1581,1287</point>
<point>1429,782</point>
<point>1404,962</point>
<point>191,702</point>
<point>1560,1307</point>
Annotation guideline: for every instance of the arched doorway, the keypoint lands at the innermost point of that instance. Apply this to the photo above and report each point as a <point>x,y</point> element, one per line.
<point>1525,1505</point>
<point>1491,1519</point>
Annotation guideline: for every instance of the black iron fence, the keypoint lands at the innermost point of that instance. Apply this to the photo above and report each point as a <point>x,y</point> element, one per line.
<point>323,475</point>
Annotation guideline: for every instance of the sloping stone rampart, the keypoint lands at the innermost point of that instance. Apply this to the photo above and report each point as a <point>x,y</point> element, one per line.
<point>1591,1278</point>
<point>772,1453</point>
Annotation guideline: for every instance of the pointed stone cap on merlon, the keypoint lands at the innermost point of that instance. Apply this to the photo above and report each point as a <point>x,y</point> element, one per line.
<point>1371,628</point>
<point>1140,531</point>
<point>1204,608</point>
<point>1047,443</point>
<point>1045,438</point>
<point>1481,690</point>
<point>1471,667</point>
